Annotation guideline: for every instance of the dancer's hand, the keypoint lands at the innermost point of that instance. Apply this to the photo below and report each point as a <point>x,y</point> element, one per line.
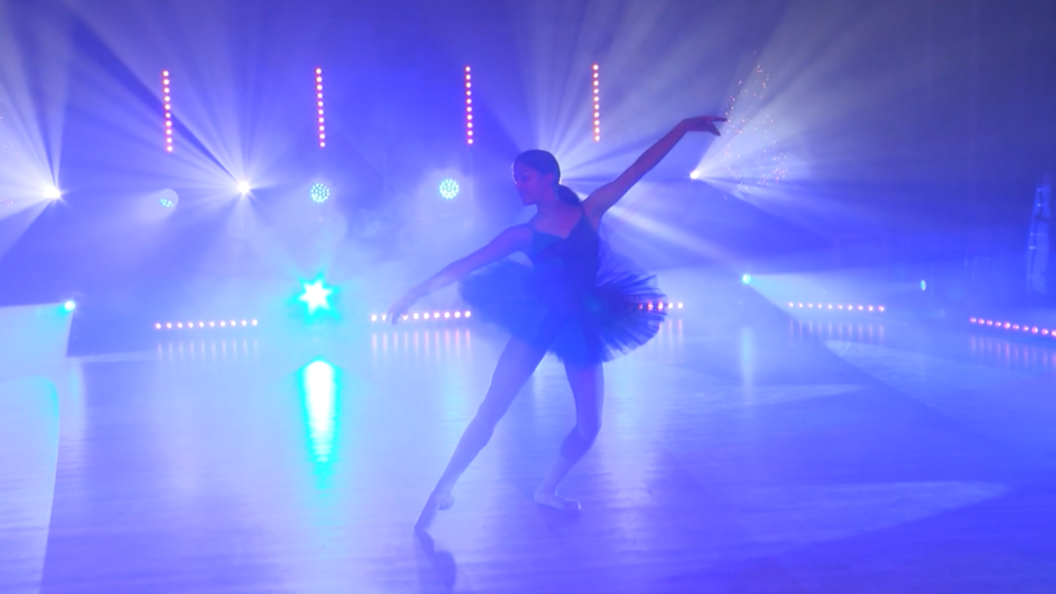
<point>702,124</point>
<point>400,308</point>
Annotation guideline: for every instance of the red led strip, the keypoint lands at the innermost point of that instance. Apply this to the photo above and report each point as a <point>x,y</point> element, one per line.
<point>319,106</point>
<point>469,106</point>
<point>166,97</point>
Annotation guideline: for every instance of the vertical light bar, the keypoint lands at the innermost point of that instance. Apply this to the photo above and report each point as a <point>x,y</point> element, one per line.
<point>319,106</point>
<point>469,106</point>
<point>597,105</point>
<point>166,97</point>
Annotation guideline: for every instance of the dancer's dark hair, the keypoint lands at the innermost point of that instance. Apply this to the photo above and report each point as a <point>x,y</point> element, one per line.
<point>544,162</point>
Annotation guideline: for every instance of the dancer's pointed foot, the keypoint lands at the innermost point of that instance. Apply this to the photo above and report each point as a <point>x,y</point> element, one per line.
<point>551,499</point>
<point>436,502</point>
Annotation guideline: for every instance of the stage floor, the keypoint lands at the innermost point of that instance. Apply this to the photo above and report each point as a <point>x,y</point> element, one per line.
<point>739,453</point>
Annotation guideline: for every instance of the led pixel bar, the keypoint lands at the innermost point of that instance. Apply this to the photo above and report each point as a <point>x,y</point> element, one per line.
<point>166,96</point>
<point>597,105</point>
<point>319,106</point>
<point>469,107</point>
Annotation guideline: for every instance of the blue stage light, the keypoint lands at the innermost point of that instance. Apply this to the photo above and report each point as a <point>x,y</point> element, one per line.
<point>168,198</point>
<point>69,305</point>
<point>923,285</point>
<point>746,279</point>
<point>316,295</point>
<point>319,193</point>
<point>449,189</point>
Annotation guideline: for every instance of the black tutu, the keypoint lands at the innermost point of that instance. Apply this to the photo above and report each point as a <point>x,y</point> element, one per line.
<point>583,305</point>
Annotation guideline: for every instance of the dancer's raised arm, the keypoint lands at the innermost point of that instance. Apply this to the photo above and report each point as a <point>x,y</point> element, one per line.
<point>603,198</point>
<point>509,241</point>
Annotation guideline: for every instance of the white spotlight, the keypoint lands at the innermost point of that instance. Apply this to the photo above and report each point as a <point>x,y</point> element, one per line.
<point>243,187</point>
<point>694,174</point>
<point>52,193</point>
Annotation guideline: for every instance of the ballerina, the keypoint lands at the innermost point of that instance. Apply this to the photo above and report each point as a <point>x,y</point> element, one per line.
<point>572,302</point>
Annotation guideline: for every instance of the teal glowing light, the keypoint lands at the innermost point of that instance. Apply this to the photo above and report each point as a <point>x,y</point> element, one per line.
<point>449,189</point>
<point>69,305</point>
<point>923,285</point>
<point>168,198</point>
<point>316,295</point>
<point>746,279</point>
<point>319,193</point>
<point>320,390</point>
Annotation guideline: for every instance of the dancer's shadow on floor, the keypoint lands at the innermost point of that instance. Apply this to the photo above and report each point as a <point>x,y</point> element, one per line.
<point>437,571</point>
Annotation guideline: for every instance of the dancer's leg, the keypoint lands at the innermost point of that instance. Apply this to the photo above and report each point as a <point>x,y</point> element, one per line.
<point>516,364</point>
<point>588,389</point>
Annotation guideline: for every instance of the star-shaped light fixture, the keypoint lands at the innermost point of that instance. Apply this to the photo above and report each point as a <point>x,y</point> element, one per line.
<point>316,295</point>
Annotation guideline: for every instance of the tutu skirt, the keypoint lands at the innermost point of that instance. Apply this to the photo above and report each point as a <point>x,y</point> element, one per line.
<point>579,322</point>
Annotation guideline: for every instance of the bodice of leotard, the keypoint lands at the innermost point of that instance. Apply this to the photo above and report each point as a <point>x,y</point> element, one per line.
<point>566,268</point>
<point>577,253</point>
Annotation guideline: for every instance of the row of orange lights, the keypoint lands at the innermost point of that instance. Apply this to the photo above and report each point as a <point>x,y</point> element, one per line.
<point>838,307</point>
<point>425,316</point>
<point>210,324</point>
<point>319,106</point>
<point>1010,326</point>
<point>168,109</point>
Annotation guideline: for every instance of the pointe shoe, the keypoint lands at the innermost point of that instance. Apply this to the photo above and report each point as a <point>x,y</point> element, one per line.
<point>555,501</point>
<point>432,505</point>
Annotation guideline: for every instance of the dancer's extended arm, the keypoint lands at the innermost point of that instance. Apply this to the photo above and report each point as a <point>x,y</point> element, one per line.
<point>509,241</point>
<point>603,198</point>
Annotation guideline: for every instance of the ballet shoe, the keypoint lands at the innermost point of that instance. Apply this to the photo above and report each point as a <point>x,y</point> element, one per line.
<point>555,501</point>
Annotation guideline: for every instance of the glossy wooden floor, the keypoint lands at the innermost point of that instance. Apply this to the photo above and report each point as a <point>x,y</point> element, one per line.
<point>740,453</point>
